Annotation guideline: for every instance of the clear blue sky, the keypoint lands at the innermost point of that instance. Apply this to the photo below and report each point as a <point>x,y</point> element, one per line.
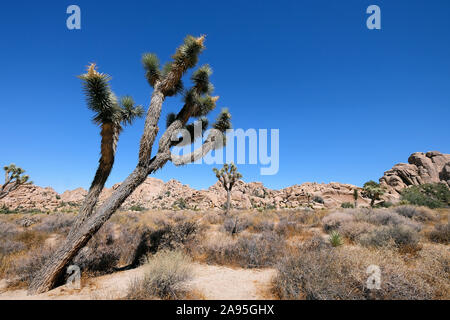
<point>349,102</point>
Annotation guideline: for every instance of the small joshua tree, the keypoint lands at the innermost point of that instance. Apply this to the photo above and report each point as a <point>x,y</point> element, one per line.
<point>373,191</point>
<point>111,113</point>
<point>228,176</point>
<point>14,178</point>
<point>355,197</point>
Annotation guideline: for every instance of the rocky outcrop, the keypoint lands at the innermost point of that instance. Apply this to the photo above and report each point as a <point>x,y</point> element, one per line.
<point>155,194</point>
<point>421,168</point>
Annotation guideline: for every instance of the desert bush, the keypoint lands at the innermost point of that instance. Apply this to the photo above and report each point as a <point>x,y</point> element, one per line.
<point>388,217</point>
<point>399,235</point>
<point>334,220</point>
<point>8,246</point>
<point>248,251</point>
<point>8,229</point>
<point>347,205</point>
<point>421,214</point>
<point>102,253</point>
<point>335,239</point>
<point>354,229</point>
<point>234,225</point>
<point>440,234</point>
<point>137,207</point>
<point>261,225</point>
<point>286,227</point>
<point>432,195</point>
<point>318,199</point>
<point>214,218</point>
<point>165,273</point>
<point>25,267</point>
<point>326,273</point>
<point>57,222</point>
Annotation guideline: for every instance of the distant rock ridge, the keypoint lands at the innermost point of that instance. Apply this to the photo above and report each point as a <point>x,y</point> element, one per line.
<point>155,194</point>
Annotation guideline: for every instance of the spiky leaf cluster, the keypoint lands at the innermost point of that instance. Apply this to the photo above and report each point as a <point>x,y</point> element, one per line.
<point>186,55</point>
<point>152,68</point>
<point>104,102</point>
<point>223,121</point>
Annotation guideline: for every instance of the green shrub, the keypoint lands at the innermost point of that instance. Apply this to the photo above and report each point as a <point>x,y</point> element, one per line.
<point>137,207</point>
<point>347,205</point>
<point>318,199</point>
<point>432,195</point>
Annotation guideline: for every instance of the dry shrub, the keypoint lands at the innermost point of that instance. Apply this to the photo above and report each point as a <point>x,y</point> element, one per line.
<point>322,272</point>
<point>352,230</point>
<point>235,224</point>
<point>421,214</point>
<point>24,268</point>
<point>334,220</point>
<point>288,228</point>
<point>248,251</point>
<point>102,253</point>
<point>8,229</point>
<point>165,274</point>
<point>440,234</point>
<point>400,236</point>
<point>57,222</point>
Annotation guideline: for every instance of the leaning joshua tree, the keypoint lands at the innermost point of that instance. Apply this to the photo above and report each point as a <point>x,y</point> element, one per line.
<point>14,178</point>
<point>228,176</point>
<point>166,82</point>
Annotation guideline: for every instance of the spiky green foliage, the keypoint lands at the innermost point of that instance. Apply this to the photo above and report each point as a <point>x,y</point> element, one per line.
<point>104,102</point>
<point>129,112</point>
<point>99,96</point>
<point>200,77</point>
<point>201,123</point>
<point>223,121</point>
<point>335,239</point>
<point>152,68</point>
<point>373,191</point>
<point>186,55</point>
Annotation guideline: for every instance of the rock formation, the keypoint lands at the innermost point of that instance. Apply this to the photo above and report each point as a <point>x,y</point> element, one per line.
<point>421,168</point>
<point>155,194</point>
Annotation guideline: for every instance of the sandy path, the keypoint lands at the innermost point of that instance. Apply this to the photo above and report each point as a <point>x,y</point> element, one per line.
<point>213,282</point>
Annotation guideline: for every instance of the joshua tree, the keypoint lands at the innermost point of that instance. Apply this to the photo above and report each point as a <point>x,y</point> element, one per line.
<point>228,176</point>
<point>373,191</point>
<point>355,197</point>
<point>166,82</point>
<point>14,177</point>
<point>110,115</point>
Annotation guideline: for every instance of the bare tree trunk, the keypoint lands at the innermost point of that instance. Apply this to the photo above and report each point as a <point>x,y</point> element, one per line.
<point>50,273</point>
<point>228,201</point>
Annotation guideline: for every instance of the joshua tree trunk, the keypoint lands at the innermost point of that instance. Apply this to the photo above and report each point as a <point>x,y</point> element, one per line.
<point>110,136</point>
<point>356,203</point>
<point>372,202</point>
<point>228,201</point>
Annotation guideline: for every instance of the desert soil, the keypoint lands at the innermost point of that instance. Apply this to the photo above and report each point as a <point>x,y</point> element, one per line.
<point>209,282</point>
